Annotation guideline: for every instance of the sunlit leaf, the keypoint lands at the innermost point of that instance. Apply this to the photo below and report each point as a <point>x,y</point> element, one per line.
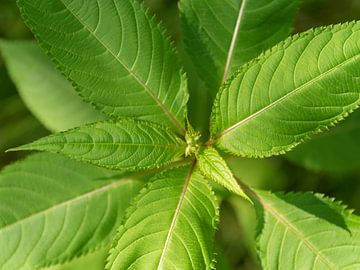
<point>115,53</point>
<point>53,209</point>
<point>333,151</point>
<point>124,145</point>
<point>307,231</point>
<point>214,167</point>
<point>298,88</point>
<point>170,226</point>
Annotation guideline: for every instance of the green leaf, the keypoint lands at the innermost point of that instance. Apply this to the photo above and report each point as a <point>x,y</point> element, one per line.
<point>115,53</point>
<point>48,95</point>
<point>220,36</point>
<point>91,261</point>
<point>214,167</point>
<point>25,128</point>
<point>300,87</point>
<point>307,231</point>
<point>333,151</point>
<point>221,261</point>
<point>123,145</point>
<point>170,226</point>
<point>53,209</point>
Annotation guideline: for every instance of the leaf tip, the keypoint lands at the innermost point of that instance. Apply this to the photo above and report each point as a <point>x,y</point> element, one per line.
<point>14,149</point>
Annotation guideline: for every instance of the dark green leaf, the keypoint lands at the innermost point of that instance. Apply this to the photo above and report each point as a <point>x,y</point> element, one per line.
<point>222,35</point>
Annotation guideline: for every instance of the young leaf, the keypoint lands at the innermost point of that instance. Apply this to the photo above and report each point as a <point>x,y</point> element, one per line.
<point>115,53</point>
<point>334,151</point>
<point>45,91</point>
<point>170,226</point>
<point>54,209</point>
<point>222,35</point>
<point>214,167</point>
<point>307,231</point>
<point>300,87</point>
<point>124,145</point>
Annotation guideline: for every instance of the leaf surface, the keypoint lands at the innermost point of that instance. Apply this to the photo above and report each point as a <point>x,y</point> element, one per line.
<point>333,151</point>
<point>307,231</point>
<point>90,261</point>
<point>220,36</point>
<point>124,145</point>
<point>170,226</point>
<point>300,87</point>
<point>115,53</point>
<point>53,209</point>
<point>214,167</point>
<point>49,96</point>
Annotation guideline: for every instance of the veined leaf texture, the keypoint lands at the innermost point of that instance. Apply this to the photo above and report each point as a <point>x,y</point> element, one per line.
<point>47,94</point>
<point>322,152</point>
<point>214,167</point>
<point>53,209</point>
<point>120,60</point>
<point>307,231</point>
<point>223,35</point>
<point>124,145</point>
<point>300,87</point>
<point>176,215</point>
<point>116,54</point>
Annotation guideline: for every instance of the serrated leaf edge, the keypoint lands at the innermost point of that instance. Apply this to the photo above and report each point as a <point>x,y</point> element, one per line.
<point>28,147</point>
<point>133,207</point>
<point>166,36</point>
<point>344,211</point>
<point>217,138</point>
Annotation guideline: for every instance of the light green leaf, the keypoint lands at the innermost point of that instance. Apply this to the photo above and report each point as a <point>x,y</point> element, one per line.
<point>307,231</point>
<point>115,53</point>
<point>222,35</point>
<point>170,226</point>
<point>53,209</point>
<point>334,151</point>
<point>91,261</point>
<point>48,95</point>
<point>124,145</point>
<point>298,88</point>
<point>214,167</point>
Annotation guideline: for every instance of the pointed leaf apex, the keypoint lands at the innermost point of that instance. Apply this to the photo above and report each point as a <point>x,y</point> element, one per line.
<point>214,167</point>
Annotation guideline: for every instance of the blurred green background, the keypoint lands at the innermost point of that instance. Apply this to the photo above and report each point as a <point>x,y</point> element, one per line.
<point>235,236</point>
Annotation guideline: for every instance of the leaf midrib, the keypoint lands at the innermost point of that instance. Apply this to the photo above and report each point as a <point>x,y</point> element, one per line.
<point>259,112</point>
<point>233,41</point>
<point>176,215</point>
<point>105,188</point>
<point>104,143</point>
<point>296,232</point>
<point>172,118</point>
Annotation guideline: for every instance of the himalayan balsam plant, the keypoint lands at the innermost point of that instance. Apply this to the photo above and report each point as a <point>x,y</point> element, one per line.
<point>127,172</point>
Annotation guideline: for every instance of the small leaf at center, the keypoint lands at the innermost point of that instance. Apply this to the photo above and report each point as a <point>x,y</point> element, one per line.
<point>214,167</point>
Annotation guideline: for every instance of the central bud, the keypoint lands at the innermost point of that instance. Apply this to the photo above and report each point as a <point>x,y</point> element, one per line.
<point>192,142</point>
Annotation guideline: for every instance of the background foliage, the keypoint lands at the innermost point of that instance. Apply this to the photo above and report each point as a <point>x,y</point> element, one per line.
<point>291,172</point>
